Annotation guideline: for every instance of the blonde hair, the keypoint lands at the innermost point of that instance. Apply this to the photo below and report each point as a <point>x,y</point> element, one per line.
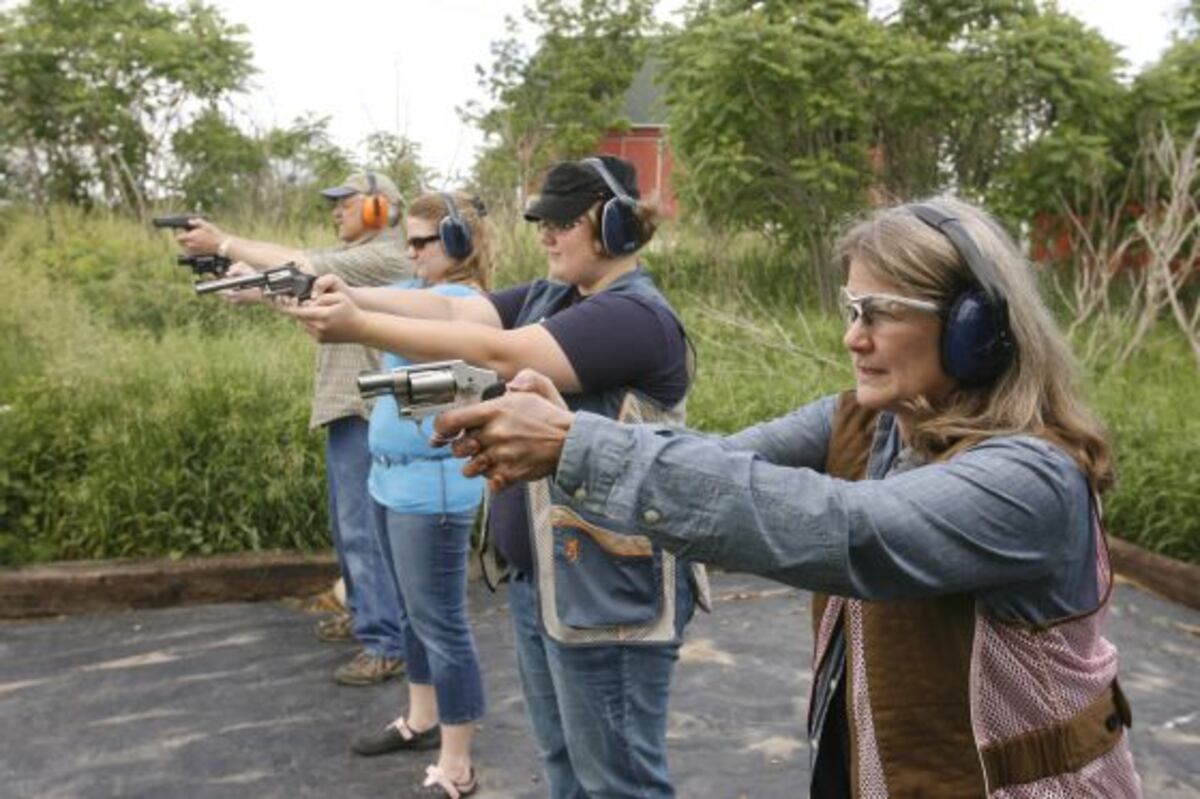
<point>1038,393</point>
<point>477,267</point>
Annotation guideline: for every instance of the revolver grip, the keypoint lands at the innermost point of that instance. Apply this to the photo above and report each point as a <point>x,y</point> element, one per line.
<point>496,389</point>
<point>304,286</point>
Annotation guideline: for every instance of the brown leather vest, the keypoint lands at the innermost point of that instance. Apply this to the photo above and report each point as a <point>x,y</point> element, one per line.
<point>918,656</point>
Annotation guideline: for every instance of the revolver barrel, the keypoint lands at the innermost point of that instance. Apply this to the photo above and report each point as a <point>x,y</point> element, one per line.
<point>286,279</point>
<point>236,283</point>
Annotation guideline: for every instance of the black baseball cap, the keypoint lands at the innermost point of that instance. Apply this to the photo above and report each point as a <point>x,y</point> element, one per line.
<point>572,187</point>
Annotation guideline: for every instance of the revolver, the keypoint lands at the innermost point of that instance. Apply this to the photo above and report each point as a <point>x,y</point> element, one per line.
<point>281,280</point>
<point>423,389</point>
<point>176,221</point>
<point>205,264</point>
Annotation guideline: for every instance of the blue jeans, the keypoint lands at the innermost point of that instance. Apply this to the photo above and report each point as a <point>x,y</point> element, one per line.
<point>599,713</point>
<point>362,549</point>
<point>429,553</point>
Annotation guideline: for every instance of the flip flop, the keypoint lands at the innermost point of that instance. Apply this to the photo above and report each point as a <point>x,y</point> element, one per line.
<point>438,783</point>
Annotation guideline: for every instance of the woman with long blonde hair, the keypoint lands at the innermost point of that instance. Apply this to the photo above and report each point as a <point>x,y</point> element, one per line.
<point>427,510</point>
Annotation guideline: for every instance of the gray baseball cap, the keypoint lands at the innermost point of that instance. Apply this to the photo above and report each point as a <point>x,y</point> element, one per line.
<point>360,183</point>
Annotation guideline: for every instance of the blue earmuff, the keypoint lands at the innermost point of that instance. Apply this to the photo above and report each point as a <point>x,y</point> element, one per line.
<point>620,230</point>
<point>454,231</point>
<point>977,342</point>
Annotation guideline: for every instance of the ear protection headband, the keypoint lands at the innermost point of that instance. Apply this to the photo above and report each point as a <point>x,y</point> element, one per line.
<point>454,231</point>
<point>375,211</point>
<point>977,342</point>
<point>620,230</point>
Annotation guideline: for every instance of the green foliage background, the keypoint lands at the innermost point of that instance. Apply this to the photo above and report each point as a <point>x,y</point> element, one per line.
<point>141,420</point>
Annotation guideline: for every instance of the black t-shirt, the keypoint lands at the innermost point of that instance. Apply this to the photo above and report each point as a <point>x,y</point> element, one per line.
<point>611,341</point>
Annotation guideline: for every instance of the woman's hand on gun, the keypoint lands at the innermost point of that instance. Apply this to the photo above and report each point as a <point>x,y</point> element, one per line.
<point>246,296</point>
<point>332,314</point>
<point>513,438</point>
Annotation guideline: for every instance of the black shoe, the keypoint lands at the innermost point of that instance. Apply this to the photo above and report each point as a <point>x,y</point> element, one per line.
<point>392,739</point>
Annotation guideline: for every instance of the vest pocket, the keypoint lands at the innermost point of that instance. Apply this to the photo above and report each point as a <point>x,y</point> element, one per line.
<point>601,581</point>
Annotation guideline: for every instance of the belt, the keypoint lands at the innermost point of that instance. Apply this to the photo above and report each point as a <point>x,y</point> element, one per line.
<point>388,461</point>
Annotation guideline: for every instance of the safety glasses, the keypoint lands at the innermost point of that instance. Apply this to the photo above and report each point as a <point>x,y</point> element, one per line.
<point>874,308</point>
<point>554,227</point>
<point>419,243</point>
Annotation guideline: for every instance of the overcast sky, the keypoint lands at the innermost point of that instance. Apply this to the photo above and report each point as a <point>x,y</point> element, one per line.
<point>405,66</point>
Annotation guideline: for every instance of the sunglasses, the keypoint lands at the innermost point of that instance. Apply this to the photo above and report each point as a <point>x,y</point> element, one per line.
<point>873,308</point>
<point>551,226</point>
<point>418,243</point>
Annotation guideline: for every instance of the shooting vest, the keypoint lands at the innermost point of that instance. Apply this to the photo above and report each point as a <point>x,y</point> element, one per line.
<point>598,584</point>
<point>945,700</point>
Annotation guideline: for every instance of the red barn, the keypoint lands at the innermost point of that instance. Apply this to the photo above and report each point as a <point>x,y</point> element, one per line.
<point>645,141</point>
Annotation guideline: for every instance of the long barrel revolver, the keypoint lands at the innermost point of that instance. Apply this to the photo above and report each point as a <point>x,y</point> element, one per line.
<point>284,280</point>
<point>423,389</point>
<point>176,221</point>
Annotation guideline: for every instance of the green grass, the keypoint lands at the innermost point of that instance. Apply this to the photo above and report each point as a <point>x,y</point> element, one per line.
<point>141,420</point>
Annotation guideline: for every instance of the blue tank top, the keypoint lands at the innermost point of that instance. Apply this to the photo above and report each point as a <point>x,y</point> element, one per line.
<point>408,475</point>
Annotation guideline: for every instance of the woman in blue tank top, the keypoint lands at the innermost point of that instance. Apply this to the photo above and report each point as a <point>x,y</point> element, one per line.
<point>429,509</point>
<point>597,628</point>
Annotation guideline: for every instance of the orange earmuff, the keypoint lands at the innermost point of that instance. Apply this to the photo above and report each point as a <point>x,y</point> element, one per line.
<point>375,211</point>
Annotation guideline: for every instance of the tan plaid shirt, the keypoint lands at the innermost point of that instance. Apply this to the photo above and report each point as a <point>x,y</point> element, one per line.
<point>374,261</point>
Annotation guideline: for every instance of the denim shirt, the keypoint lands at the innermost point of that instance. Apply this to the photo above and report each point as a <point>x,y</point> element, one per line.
<point>1008,520</point>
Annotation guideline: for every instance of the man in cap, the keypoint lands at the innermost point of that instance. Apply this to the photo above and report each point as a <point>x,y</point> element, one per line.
<point>365,209</point>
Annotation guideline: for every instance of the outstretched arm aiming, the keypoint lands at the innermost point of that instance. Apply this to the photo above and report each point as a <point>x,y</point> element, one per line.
<point>476,337</point>
<point>205,238</point>
<point>412,303</point>
<point>1010,510</point>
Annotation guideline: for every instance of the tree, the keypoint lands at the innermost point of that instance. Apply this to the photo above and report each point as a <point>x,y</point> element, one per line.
<point>301,158</point>
<point>398,157</point>
<point>91,91</point>
<point>770,118</point>
<point>787,115</point>
<point>1168,93</point>
<point>558,100</point>
<point>218,162</point>
<point>1043,113</point>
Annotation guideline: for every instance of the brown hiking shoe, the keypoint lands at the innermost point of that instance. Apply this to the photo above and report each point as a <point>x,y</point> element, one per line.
<point>335,628</point>
<point>368,669</point>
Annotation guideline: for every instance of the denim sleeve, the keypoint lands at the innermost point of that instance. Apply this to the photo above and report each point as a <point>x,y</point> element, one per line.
<point>801,438</point>
<point>1004,512</point>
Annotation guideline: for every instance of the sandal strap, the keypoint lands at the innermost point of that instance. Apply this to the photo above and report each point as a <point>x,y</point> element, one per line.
<point>406,732</point>
<point>435,777</point>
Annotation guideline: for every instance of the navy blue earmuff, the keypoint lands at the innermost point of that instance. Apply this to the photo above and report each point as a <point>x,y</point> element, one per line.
<point>454,231</point>
<point>620,230</point>
<point>977,342</point>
